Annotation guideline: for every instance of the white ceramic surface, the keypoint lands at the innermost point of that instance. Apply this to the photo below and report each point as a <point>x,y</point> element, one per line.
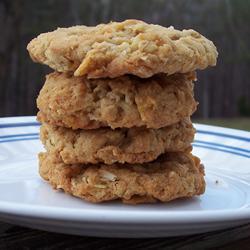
<point>25,199</point>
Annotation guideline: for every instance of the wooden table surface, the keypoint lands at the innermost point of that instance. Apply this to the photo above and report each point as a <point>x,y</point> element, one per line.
<point>15,237</point>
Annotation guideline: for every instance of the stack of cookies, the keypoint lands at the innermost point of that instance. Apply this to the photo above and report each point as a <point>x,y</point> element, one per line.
<point>116,112</point>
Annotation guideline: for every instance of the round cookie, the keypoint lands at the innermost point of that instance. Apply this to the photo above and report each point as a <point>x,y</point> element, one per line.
<point>127,101</point>
<point>134,145</point>
<point>171,176</point>
<point>119,48</point>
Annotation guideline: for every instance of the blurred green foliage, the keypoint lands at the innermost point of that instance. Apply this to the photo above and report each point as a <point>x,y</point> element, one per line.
<point>236,123</point>
<point>244,107</point>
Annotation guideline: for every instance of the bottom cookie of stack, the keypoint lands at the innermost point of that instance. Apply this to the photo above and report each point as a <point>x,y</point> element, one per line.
<point>171,176</point>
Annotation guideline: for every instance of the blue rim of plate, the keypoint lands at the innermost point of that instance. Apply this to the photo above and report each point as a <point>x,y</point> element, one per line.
<point>197,143</point>
<point>128,217</point>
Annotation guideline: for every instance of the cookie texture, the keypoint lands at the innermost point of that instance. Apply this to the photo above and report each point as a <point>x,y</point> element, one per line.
<point>127,101</point>
<point>119,48</point>
<point>171,176</point>
<point>134,145</point>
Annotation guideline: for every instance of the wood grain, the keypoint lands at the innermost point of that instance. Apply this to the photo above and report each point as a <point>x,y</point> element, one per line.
<point>14,237</point>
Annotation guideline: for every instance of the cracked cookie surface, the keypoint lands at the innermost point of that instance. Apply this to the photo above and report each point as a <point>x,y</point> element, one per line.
<point>119,48</point>
<point>134,145</point>
<point>172,176</point>
<point>127,101</point>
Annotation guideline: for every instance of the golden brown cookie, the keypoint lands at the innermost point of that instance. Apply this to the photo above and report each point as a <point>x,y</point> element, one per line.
<point>119,48</point>
<point>127,101</point>
<point>134,145</point>
<point>172,176</point>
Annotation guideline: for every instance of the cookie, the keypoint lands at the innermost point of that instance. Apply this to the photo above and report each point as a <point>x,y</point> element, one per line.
<point>127,101</point>
<point>119,48</point>
<point>134,145</point>
<point>172,176</point>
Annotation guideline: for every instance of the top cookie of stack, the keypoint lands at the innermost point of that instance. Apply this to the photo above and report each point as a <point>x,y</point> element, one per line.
<point>122,93</point>
<point>129,47</point>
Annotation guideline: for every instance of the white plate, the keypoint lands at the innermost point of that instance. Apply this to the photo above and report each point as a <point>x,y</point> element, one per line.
<point>25,199</point>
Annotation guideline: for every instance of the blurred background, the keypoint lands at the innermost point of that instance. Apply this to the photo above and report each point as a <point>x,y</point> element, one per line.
<point>222,91</point>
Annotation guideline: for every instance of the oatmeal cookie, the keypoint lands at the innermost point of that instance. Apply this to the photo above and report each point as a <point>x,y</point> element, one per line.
<point>133,145</point>
<point>119,48</point>
<point>171,176</point>
<point>127,101</point>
